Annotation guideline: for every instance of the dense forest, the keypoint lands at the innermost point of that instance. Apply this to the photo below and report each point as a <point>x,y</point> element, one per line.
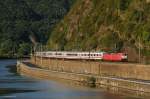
<point>107,25</point>
<point>21,21</point>
<point>75,25</point>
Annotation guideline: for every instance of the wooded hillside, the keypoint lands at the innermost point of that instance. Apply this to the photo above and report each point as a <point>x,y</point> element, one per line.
<point>21,19</point>
<point>107,25</point>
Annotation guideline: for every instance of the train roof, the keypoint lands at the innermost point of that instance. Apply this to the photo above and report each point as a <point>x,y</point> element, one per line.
<point>81,52</point>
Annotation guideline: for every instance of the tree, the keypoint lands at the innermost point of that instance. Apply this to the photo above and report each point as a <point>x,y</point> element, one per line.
<point>24,49</point>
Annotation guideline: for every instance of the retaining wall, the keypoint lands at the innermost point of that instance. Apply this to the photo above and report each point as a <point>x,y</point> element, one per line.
<point>122,70</point>
<point>84,78</point>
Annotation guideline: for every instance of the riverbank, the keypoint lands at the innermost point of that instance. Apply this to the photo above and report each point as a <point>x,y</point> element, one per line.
<point>114,84</point>
<point>14,86</point>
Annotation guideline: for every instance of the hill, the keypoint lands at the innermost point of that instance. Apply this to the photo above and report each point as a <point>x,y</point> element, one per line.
<point>107,25</point>
<point>21,19</point>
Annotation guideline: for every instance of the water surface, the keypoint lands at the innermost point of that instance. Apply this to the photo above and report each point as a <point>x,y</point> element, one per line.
<point>14,86</point>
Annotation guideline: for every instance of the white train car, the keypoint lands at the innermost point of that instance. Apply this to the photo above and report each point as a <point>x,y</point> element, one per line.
<point>71,55</point>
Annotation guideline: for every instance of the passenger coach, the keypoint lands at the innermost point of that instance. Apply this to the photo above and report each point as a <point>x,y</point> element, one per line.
<point>83,55</point>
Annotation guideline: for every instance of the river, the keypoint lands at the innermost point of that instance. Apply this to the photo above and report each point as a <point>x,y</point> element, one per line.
<point>14,86</point>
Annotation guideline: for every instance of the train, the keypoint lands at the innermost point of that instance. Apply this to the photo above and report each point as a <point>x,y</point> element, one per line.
<point>104,56</point>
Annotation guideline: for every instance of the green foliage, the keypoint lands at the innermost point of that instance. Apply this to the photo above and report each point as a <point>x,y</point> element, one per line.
<point>91,81</point>
<point>20,19</point>
<point>124,4</point>
<point>104,25</point>
<point>24,49</point>
<point>7,48</point>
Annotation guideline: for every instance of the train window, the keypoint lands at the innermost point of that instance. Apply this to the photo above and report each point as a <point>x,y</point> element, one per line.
<point>72,54</point>
<point>58,54</point>
<point>49,53</point>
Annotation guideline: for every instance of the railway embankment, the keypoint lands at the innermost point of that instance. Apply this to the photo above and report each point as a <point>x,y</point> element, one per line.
<point>120,70</point>
<point>113,85</point>
<point>113,75</point>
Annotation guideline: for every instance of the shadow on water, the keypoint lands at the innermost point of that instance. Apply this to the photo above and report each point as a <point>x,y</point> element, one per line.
<point>12,69</point>
<point>5,91</point>
<point>16,81</point>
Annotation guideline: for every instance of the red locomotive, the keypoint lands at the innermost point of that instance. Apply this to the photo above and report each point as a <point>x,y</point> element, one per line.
<point>114,57</point>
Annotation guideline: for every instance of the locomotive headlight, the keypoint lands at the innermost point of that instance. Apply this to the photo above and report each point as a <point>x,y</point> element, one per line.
<point>124,57</point>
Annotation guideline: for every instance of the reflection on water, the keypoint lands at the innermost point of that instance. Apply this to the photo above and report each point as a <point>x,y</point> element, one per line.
<point>4,91</point>
<point>14,86</point>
